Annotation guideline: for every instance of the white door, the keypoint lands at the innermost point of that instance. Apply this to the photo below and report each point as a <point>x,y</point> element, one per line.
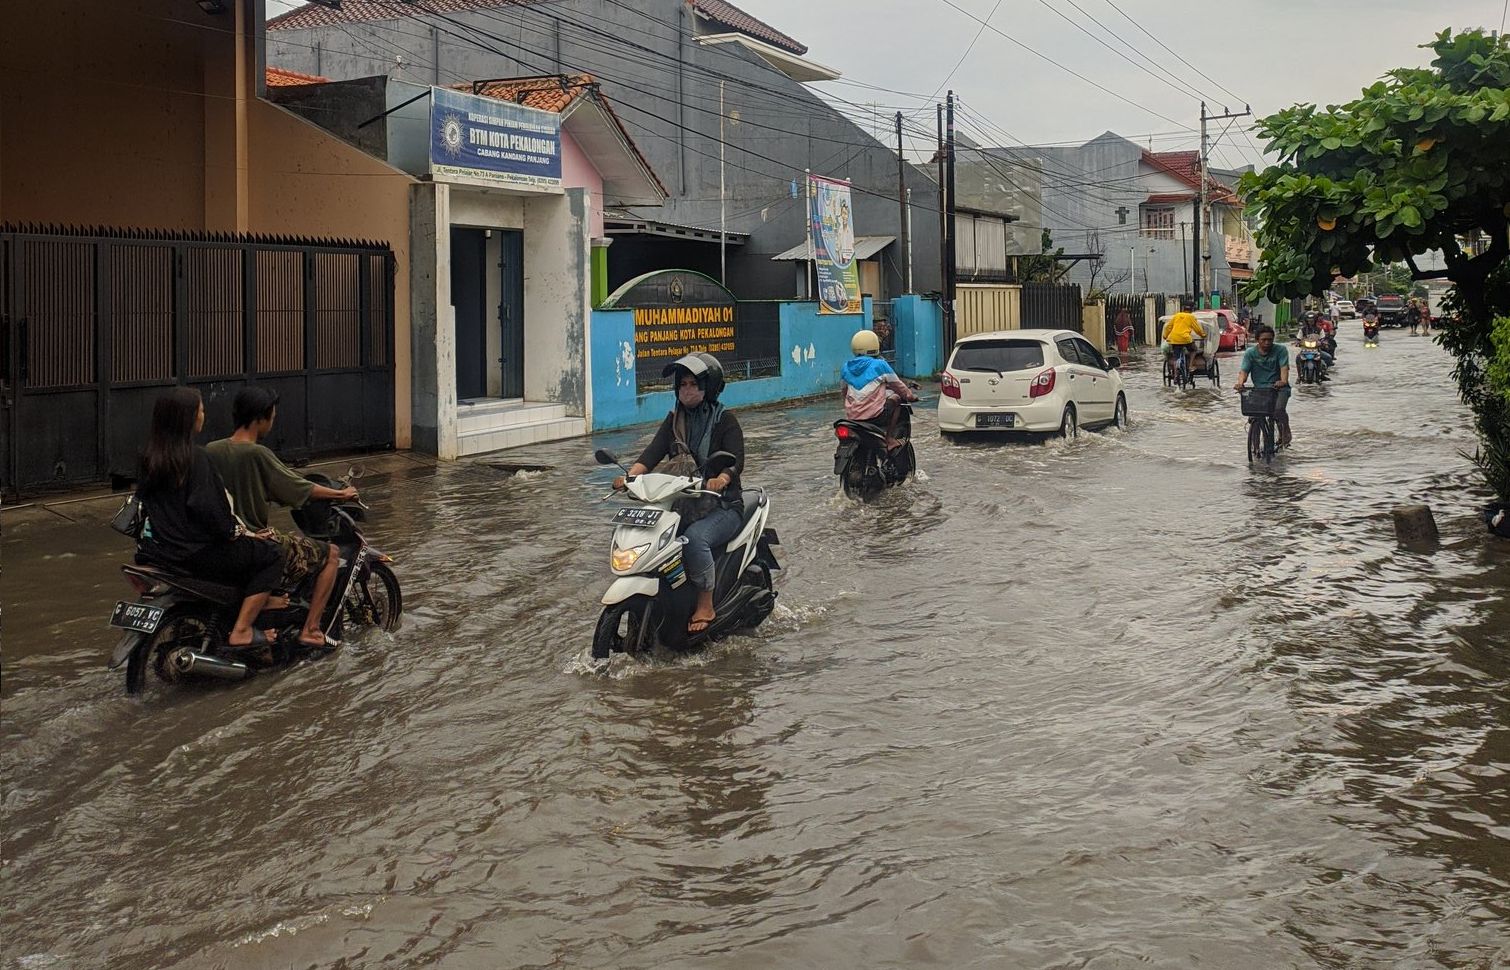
<point>1081,383</point>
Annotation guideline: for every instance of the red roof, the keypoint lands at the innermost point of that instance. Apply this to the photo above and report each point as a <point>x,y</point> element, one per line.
<point>1186,166</point>
<point>361,11</point>
<point>280,77</point>
<point>731,16</point>
<point>1168,198</point>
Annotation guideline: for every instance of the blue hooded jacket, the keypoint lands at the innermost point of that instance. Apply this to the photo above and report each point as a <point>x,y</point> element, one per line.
<point>860,371</point>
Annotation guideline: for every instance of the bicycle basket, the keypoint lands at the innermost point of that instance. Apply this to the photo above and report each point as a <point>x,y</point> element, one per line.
<point>1259,402</point>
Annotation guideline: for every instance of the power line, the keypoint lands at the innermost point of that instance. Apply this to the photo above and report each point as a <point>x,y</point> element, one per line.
<point>1042,56</point>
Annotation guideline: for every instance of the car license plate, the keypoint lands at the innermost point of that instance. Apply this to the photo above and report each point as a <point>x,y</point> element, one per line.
<point>136,616</point>
<point>640,518</point>
<point>995,420</point>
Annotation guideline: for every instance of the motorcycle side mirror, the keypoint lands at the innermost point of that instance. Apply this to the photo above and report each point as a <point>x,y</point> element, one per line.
<point>718,463</point>
<point>605,457</point>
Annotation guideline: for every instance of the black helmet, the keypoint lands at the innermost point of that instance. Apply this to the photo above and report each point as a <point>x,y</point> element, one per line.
<point>706,368</point>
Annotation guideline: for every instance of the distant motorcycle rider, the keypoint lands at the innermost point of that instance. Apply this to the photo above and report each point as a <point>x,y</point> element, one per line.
<point>872,390</point>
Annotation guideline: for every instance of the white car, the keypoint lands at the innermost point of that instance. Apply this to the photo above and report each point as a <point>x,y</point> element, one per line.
<point>1030,381</point>
<point>1344,310</point>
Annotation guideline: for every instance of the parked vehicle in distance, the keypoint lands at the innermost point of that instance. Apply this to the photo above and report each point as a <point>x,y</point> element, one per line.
<point>1345,310</point>
<point>1391,310</point>
<point>1363,304</point>
<point>1033,381</point>
<point>1233,335</point>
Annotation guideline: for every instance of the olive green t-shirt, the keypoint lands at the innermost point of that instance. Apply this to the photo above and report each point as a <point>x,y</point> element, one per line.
<point>254,475</point>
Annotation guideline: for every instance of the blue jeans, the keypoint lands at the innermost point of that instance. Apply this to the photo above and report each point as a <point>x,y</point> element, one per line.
<point>713,529</point>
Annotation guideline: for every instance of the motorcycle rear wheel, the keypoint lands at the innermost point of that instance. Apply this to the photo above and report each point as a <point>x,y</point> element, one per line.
<point>619,627</point>
<point>178,629</point>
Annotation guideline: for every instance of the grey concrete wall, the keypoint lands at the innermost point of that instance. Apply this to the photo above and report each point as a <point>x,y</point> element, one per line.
<point>670,85</point>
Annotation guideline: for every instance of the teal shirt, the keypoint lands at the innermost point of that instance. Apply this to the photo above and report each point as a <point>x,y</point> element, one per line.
<point>1264,371</point>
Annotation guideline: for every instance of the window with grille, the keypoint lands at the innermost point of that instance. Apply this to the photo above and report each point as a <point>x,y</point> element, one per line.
<point>1158,221</point>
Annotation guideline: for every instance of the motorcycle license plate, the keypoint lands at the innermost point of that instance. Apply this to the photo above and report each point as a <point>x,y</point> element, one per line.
<point>136,616</point>
<point>639,518</point>
<point>995,420</point>
<point>842,457</point>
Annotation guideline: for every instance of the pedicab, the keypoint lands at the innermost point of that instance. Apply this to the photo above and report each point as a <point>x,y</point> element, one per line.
<point>1204,364</point>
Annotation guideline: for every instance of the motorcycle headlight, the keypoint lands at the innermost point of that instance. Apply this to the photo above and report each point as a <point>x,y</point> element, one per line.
<point>624,558</point>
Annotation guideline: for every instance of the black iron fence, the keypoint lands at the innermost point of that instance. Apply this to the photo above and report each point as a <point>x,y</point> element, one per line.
<point>1051,306</point>
<point>96,323</point>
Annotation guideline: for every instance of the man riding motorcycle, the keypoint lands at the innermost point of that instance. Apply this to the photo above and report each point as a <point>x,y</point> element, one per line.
<point>872,390</point>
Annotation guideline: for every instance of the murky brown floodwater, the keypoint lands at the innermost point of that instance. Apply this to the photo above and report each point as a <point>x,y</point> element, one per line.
<point>1124,701</point>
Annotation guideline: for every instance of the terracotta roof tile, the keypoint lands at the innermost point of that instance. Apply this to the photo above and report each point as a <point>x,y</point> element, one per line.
<point>731,16</point>
<point>1186,166</point>
<point>548,93</point>
<point>281,77</point>
<point>362,11</point>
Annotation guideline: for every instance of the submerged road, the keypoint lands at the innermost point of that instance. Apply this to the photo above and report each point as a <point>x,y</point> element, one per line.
<point>1123,700</point>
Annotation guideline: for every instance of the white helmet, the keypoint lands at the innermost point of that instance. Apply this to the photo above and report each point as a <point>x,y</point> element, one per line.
<point>865,342</point>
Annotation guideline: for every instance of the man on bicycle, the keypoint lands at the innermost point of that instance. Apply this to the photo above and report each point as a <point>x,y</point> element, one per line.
<point>1181,330</point>
<point>1268,363</point>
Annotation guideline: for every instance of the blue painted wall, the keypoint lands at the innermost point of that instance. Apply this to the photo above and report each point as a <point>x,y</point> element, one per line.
<point>813,348</point>
<point>918,324</point>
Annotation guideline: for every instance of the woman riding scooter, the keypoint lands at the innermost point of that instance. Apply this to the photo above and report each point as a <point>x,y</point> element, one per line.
<point>696,428</point>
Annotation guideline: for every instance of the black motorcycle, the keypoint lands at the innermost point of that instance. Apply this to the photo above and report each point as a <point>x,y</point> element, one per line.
<point>1370,333</point>
<point>178,625</point>
<point>865,465</point>
<point>1308,360</point>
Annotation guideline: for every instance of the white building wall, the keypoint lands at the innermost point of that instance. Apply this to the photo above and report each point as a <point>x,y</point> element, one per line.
<point>557,299</point>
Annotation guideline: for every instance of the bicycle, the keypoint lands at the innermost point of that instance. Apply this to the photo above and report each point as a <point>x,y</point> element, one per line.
<point>1258,404</point>
<point>1177,368</point>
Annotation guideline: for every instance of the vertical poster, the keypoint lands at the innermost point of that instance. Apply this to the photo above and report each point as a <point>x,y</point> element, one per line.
<point>831,227</point>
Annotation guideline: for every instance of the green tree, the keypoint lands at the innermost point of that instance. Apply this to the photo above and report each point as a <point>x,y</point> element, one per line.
<point>1420,162</point>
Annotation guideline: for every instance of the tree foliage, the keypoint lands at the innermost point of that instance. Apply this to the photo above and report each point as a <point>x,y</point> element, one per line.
<point>1418,163</point>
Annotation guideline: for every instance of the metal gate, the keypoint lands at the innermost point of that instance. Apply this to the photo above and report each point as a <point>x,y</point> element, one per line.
<point>1051,306</point>
<point>96,324</point>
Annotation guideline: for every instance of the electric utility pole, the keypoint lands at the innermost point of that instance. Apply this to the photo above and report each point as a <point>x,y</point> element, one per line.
<point>903,231</point>
<point>1202,272</point>
<point>951,324</point>
<point>938,157</point>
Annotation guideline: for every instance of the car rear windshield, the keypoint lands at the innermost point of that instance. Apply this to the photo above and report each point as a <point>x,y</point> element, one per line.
<point>998,355</point>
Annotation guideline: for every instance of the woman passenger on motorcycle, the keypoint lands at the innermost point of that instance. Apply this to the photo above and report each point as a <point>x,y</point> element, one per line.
<point>696,428</point>
<point>189,525</point>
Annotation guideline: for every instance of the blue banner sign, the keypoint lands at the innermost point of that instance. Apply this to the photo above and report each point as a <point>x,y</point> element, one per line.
<point>495,141</point>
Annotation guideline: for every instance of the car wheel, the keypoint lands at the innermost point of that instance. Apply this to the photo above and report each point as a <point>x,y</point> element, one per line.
<point>1069,425</point>
<point>1119,415</point>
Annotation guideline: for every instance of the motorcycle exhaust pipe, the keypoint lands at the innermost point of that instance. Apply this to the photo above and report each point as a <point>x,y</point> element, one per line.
<point>189,662</point>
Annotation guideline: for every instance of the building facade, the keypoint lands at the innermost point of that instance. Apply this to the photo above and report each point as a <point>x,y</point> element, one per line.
<point>715,98</point>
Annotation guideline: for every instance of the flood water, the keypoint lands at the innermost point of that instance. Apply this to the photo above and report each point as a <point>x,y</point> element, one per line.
<point>1122,701</point>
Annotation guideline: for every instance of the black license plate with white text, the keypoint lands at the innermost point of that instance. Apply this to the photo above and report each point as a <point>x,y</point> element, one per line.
<point>995,420</point>
<point>639,518</point>
<point>136,616</point>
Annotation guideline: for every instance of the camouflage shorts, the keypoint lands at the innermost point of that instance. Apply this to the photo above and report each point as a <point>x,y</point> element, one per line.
<point>301,557</point>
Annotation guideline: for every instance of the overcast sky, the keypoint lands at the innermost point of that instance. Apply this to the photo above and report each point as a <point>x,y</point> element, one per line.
<point>1268,53</point>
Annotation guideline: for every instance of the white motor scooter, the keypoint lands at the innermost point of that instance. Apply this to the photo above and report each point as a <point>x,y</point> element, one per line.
<point>650,601</point>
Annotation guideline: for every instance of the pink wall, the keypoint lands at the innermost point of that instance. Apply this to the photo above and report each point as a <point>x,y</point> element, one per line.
<point>577,172</point>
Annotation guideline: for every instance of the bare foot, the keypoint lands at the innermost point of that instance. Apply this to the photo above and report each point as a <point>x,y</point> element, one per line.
<point>252,636</point>
<point>312,638</point>
<point>276,603</point>
<point>701,620</point>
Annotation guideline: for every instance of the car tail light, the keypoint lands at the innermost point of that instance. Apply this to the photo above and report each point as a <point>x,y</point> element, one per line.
<point>949,385</point>
<point>843,432</point>
<point>1042,384</point>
